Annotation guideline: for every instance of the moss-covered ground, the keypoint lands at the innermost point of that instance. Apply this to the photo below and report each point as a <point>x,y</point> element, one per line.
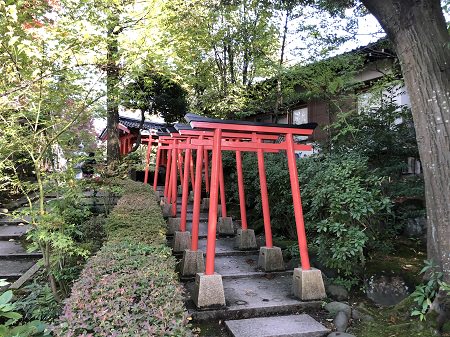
<point>406,261</point>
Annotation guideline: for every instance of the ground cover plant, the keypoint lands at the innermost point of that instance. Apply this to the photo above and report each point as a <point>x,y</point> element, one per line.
<point>132,285</point>
<point>10,319</point>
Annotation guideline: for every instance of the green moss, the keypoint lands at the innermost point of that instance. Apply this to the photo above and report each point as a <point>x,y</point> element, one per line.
<point>394,321</point>
<point>407,261</point>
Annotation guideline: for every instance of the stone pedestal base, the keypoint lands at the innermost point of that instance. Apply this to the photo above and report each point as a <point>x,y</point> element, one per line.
<point>173,225</point>
<point>205,205</point>
<point>208,291</point>
<point>225,226</point>
<point>167,210</point>
<point>270,259</point>
<point>245,239</point>
<point>181,241</point>
<point>192,263</point>
<point>191,196</point>
<point>308,284</point>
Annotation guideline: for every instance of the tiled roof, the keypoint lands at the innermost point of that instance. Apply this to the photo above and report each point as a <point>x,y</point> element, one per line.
<point>133,123</point>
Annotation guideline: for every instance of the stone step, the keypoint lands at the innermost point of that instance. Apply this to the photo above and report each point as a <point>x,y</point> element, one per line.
<point>243,266</point>
<point>13,231</point>
<point>11,221</point>
<point>287,326</point>
<point>203,216</point>
<point>14,268</point>
<point>9,249</point>
<point>247,297</point>
<point>225,247</point>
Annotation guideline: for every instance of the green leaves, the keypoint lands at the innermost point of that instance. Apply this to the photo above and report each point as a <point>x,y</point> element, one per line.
<point>425,294</point>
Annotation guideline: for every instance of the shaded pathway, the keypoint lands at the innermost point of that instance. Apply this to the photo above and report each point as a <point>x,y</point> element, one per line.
<point>251,293</point>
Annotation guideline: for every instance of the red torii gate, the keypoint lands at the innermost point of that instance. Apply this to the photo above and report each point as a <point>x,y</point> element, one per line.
<point>308,283</point>
<point>217,135</point>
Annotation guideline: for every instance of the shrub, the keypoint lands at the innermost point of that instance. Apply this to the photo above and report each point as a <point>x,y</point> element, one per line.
<point>345,212</point>
<point>132,286</point>
<point>9,319</point>
<point>344,209</point>
<point>38,303</point>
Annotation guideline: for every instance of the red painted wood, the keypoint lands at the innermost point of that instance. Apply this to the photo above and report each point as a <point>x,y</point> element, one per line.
<point>297,201</point>
<point>185,190</point>
<point>174,178</point>
<point>197,198</point>
<point>252,128</point>
<point>147,161</point>
<point>240,177</point>
<point>168,172</point>
<point>207,181</point>
<point>158,159</point>
<point>213,199</point>
<point>264,198</point>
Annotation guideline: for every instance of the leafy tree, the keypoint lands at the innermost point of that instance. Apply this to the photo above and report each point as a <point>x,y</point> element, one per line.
<point>156,94</point>
<point>221,50</point>
<point>116,39</point>
<point>41,101</point>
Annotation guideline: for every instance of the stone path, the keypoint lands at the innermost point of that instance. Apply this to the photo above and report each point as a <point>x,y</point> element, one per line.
<point>15,261</point>
<point>257,303</point>
<point>14,258</point>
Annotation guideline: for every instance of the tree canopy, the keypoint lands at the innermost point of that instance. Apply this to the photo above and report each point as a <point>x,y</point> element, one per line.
<point>156,94</point>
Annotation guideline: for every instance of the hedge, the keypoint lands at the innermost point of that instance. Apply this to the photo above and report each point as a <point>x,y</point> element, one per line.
<point>130,287</point>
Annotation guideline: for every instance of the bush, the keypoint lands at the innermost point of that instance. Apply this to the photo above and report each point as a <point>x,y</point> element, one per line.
<point>344,210</point>
<point>132,286</point>
<point>38,303</point>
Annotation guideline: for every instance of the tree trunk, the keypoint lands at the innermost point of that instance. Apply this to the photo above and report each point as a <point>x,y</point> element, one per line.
<point>418,31</point>
<point>245,67</point>
<point>279,98</point>
<point>112,99</point>
<point>231,64</point>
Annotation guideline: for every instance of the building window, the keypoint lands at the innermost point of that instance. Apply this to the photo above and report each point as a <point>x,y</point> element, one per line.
<point>374,100</point>
<point>283,119</point>
<point>300,116</point>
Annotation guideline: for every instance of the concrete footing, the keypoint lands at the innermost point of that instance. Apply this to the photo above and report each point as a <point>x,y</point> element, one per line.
<point>308,284</point>
<point>173,225</point>
<point>245,239</point>
<point>225,226</point>
<point>270,259</point>
<point>208,291</point>
<point>167,210</point>
<point>204,205</point>
<point>181,241</point>
<point>192,263</point>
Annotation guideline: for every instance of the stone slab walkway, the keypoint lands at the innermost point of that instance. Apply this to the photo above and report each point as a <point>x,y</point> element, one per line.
<point>14,258</point>
<point>288,326</point>
<point>252,293</point>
